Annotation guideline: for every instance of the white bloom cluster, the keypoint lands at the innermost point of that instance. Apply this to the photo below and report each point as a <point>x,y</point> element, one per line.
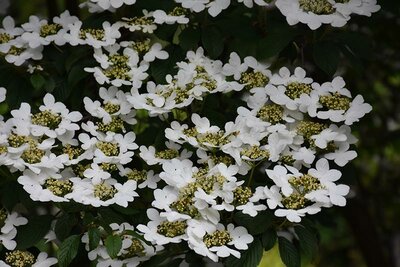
<point>20,44</point>
<point>314,13</point>
<point>213,7</point>
<point>190,207</point>
<point>196,77</point>
<point>58,167</point>
<point>290,124</point>
<point>273,156</point>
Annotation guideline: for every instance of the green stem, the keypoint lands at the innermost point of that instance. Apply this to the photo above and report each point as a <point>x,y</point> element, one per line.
<point>251,175</point>
<point>252,172</point>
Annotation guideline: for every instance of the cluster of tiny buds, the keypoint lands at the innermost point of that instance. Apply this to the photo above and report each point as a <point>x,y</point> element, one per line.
<point>218,238</point>
<point>172,229</point>
<point>18,258</point>
<point>97,34</point>
<point>254,79</point>
<point>295,89</point>
<point>104,191</point>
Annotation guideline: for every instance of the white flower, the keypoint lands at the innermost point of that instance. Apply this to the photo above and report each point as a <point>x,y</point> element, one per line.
<point>65,119</point>
<point>106,4</point>
<point>105,36</point>
<point>250,3</point>
<point>357,110</point>
<point>235,67</point>
<point>251,209</point>
<point>144,24</point>
<point>96,173</point>
<point>118,68</point>
<point>45,187</point>
<point>216,7</point>
<point>143,178</point>
<point>178,173</point>
<point>304,154</point>
<point>280,176</point>
<point>161,17</point>
<point>8,230</point>
<point>171,232</point>
<point>41,32</point>
<point>327,135</point>
<point>342,155</point>
<point>194,5</point>
<point>286,88</point>
<point>278,141</point>
<point>3,92</point>
<point>20,52</point>
<point>295,215</point>
<point>331,192</point>
<point>104,194</point>
<point>316,13</point>
<point>41,260</point>
<point>110,147</point>
<point>164,197</point>
<point>114,105</point>
<point>273,196</point>
<point>152,157</point>
<point>308,13</point>
<point>323,173</point>
<point>8,33</point>
<point>155,52</point>
<point>359,7</point>
<point>217,241</point>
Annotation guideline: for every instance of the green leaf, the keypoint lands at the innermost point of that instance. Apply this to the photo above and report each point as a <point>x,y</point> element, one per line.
<point>3,108</point>
<point>156,260</point>
<point>94,237</point>
<point>269,239</point>
<point>189,38</point>
<point>255,225</point>
<point>109,216</point>
<point>37,81</point>
<point>126,211</point>
<point>213,41</point>
<point>68,250</point>
<point>8,200</point>
<point>76,74</point>
<point>278,37</point>
<point>308,240</point>
<point>31,233</point>
<point>168,66</point>
<point>50,85</point>
<point>113,245</point>
<point>289,254</point>
<point>64,225</point>
<point>326,56</point>
<point>356,43</point>
<point>249,258</point>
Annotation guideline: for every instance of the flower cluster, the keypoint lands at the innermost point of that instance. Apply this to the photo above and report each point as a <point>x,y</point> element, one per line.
<point>278,154</point>
<point>290,123</point>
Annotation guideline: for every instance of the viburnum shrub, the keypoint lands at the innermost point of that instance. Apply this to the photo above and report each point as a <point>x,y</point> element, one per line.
<point>161,132</point>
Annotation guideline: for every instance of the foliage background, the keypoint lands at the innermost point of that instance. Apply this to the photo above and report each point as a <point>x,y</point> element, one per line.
<point>364,233</point>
